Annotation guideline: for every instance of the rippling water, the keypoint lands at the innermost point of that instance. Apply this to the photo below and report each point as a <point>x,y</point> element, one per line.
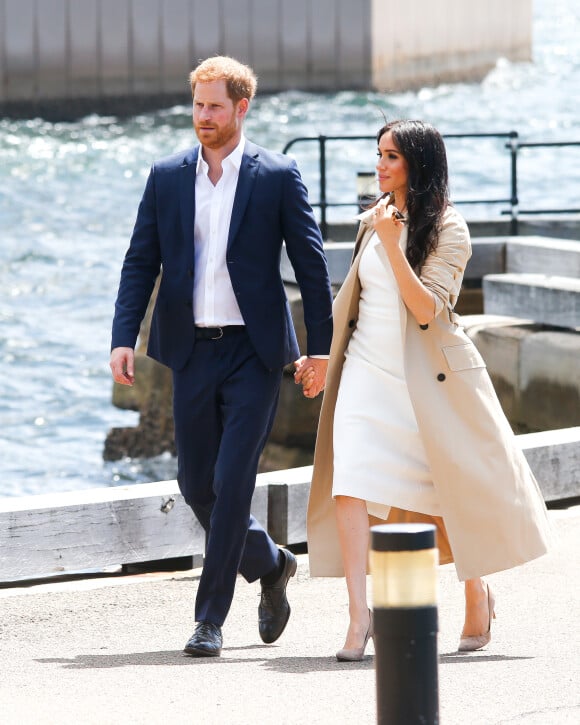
<point>69,193</point>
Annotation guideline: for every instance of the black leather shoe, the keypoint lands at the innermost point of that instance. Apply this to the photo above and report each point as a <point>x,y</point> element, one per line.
<point>206,641</point>
<point>274,610</point>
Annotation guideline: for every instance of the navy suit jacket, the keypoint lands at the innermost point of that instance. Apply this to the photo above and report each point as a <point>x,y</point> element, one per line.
<point>270,206</point>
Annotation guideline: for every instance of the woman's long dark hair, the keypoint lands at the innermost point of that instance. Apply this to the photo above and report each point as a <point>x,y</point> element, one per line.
<point>428,186</point>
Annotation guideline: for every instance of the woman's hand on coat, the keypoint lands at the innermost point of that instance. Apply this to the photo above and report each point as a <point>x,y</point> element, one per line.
<point>387,226</point>
<point>418,299</point>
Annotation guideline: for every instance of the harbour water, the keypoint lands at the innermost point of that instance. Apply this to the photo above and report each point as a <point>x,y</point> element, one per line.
<point>69,193</point>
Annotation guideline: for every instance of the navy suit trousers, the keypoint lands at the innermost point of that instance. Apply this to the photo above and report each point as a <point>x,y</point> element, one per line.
<point>224,402</point>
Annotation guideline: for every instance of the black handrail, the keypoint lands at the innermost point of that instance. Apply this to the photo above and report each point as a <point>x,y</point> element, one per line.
<point>513,145</point>
<point>542,144</point>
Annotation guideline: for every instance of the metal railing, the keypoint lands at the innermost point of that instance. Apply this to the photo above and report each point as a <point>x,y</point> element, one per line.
<point>513,146</point>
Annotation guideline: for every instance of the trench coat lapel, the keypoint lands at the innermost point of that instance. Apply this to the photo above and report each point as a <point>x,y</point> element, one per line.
<point>362,239</point>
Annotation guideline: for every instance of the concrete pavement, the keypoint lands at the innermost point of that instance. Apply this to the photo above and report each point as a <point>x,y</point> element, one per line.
<point>108,650</point>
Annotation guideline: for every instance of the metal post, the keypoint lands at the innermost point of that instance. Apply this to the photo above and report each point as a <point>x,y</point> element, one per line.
<point>404,562</point>
<point>323,204</point>
<point>513,146</point>
<point>367,188</point>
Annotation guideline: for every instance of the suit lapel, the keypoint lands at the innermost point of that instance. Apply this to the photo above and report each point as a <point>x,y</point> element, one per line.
<point>187,195</point>
<point>246,178</point>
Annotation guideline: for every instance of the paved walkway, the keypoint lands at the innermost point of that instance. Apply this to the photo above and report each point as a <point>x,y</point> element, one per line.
<point>108,650</point>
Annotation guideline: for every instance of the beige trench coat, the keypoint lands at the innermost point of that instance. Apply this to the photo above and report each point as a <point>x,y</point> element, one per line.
<point>491,505</point>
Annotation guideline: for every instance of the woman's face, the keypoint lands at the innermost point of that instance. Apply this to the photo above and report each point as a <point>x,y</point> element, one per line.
<point>392,169</point>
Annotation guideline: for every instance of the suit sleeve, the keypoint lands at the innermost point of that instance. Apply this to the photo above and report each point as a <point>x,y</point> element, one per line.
<point>140,269</point>
<point>306,253</point>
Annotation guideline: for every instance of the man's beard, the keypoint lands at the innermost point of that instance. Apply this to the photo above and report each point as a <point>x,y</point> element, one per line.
<point>220,137</point>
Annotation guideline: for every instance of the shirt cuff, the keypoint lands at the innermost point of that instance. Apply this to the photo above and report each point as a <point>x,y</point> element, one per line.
<point>319,357</point>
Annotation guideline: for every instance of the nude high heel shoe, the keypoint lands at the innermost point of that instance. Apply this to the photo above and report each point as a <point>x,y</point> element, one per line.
<point>356,654</point>
<point>474,642</point>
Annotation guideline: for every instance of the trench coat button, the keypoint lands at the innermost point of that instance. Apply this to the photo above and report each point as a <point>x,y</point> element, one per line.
<point>351,323</point>
<point>441,377</point>
<point>424,327</point>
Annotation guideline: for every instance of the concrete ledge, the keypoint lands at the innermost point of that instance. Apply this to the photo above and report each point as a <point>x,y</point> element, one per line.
<point>523,254</point>
<point>338,257</point>
<point>554,457</point>
<point>96,528</point>
<point>548,300</point>
<point>93,529</point>
<point>538,255</point>
<point>534,370</point>
<point>547,226</point>
<point>488,257</point>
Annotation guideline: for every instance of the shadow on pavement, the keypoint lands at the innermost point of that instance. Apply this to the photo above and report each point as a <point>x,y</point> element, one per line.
<point>174,658</point>
<point>453,657</point>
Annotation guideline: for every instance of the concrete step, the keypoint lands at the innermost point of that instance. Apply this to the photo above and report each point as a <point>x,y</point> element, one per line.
<point>542,298</point>
<point>539,255</point>
<point>534,370</point>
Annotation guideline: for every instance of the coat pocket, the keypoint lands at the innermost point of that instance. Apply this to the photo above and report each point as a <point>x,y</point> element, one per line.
<point>463,357</point>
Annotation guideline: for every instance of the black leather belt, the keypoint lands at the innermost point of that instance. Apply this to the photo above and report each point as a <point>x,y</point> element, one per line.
<point>216,333</point>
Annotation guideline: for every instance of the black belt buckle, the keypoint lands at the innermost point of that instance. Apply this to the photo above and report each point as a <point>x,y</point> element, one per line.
<point>216,333</point>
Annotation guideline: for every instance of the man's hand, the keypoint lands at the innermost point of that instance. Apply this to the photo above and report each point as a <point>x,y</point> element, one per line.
<point>123,365</point>
<point>311,373</point>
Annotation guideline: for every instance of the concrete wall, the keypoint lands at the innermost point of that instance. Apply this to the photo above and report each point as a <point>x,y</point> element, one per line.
<point>429,42</point>
<point>120,50</point>
<point>63,49</point>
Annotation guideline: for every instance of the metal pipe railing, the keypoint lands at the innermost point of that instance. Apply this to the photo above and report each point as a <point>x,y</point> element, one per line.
<point>322,140</point>
<point>514,145</point>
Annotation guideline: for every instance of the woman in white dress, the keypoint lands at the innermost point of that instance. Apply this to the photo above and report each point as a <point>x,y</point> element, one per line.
<point>410,418</point>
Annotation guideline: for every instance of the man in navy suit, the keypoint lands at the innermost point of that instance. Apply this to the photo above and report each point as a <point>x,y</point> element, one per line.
<point>213,220</point>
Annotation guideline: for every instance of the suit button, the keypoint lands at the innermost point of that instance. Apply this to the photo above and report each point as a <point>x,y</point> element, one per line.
<point>351,323</point>
<point>424,327</point>
<point>441,377</point>
<point>188,303</point>
<point>190,272</point>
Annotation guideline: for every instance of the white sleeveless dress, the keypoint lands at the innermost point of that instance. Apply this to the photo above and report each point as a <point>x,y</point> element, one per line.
<point>378,453</point>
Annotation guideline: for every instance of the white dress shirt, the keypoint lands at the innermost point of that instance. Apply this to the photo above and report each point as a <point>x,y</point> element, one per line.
<point>214,301</point>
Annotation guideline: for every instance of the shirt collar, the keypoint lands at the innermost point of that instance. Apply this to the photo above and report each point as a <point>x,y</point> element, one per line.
<point>234,158</point>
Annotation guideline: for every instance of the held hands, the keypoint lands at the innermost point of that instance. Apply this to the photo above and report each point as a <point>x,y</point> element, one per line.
<point>311,373</point>
<point>388,222</point>
<point>122,365</point>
